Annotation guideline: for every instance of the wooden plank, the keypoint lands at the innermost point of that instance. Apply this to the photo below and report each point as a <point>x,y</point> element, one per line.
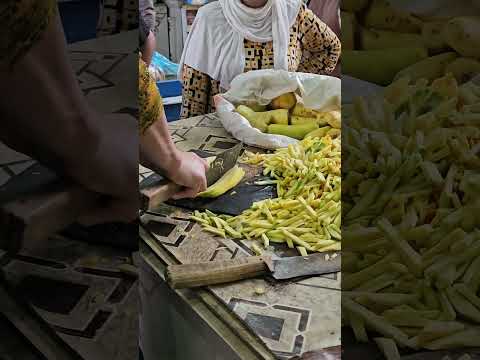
<point>208,307</point>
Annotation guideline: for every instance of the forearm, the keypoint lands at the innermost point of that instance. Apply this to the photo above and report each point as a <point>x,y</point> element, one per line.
<point>157,150</point>
<point>45,114</point>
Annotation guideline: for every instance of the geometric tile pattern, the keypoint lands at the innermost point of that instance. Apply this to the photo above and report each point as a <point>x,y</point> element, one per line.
<point>79,290</point>
<point>93,67</point>
<point>292,317</point>
<point>267,326</point>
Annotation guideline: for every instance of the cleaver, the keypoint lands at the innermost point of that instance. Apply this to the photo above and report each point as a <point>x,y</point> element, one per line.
<point>221,272</point>
<point>156,190</point>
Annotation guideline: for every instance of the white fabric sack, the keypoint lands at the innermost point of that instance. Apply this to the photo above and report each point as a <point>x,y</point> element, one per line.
<point>215,44</point>
<point>318,92</point>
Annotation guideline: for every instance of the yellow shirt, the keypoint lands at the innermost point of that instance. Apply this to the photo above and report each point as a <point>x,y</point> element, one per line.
<point>149,99</point>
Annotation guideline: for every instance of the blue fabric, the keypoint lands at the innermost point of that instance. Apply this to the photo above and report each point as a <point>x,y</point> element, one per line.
<point>79,19</point>
<point>168,67</point>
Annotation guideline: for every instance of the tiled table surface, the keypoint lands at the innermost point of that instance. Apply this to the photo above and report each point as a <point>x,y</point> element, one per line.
<point>291,318</point>
<point>78,288</point>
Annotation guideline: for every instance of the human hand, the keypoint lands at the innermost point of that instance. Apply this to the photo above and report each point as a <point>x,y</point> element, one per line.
<point>189,171</point>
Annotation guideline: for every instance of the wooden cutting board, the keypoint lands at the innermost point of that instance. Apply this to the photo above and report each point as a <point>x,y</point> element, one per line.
<point>235,201</point>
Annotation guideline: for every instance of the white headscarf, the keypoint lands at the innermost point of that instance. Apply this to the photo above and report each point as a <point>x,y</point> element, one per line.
<point>215,44</point>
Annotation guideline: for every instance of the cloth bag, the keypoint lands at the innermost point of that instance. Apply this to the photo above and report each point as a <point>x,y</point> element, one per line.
<point>319,92</point>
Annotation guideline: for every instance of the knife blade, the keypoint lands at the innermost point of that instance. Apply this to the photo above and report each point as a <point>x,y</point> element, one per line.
<point>221,272</point>
<point>153,192</point>
<point>298,266</point>
<point>222,163</point>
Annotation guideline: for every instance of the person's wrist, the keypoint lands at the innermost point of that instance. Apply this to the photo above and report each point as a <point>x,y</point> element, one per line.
<point>166,164</point>
<point>173,163</point>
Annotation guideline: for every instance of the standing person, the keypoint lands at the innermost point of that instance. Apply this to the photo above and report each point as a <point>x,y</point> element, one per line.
<point>229,37</point>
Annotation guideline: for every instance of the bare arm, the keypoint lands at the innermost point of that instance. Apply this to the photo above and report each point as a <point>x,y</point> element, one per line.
<point>157,150</point>
<point>159,153</point>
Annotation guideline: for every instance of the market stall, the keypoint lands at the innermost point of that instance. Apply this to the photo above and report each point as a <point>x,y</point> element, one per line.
<point>288,319</point>
<point>250,319</point>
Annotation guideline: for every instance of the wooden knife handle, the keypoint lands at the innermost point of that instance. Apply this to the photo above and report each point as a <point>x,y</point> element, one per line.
<point>152,197</point>
<point>216,272</point>
<point>31,219</point>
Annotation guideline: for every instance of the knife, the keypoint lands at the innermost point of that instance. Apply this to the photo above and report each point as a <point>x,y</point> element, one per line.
<point>221,272</point>
<point>158,190</point>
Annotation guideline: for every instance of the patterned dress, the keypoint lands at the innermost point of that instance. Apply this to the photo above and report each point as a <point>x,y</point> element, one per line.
<point>22,23</point>
<point>314,48</point>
